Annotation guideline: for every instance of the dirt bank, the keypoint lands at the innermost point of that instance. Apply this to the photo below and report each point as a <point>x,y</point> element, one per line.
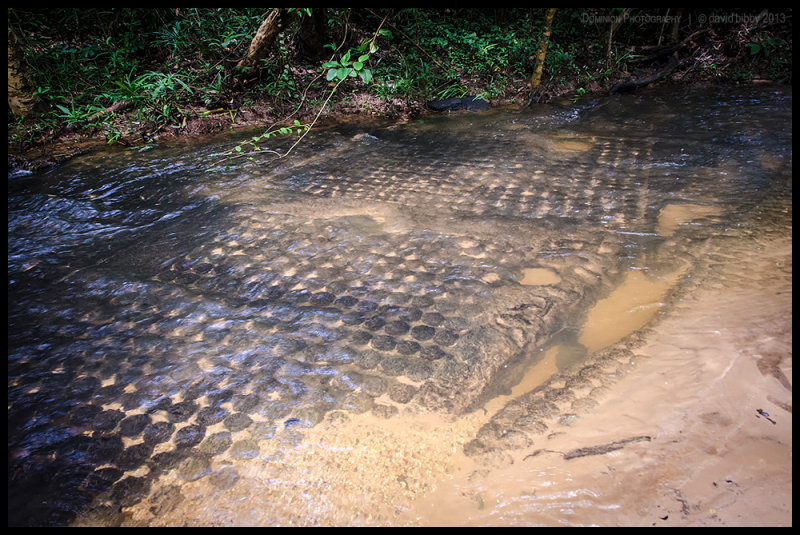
<point>56,147</point>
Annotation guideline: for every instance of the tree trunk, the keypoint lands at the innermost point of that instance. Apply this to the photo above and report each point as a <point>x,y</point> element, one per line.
<point>263,40</point>
<point>676,26</point>
<point>21,99</point>
<point>612,27</point>
<point>313,34</point>
<point>536,77</point>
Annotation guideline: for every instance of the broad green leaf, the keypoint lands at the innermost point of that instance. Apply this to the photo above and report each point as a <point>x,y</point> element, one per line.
<point>342,73</point>
<point>753,47</point>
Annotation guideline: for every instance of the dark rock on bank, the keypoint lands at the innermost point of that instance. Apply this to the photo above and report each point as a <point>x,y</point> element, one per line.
<point>471,103</point>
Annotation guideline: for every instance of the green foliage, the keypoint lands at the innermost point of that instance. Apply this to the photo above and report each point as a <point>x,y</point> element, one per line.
<point>73,116</point>
<point>248,147</point>
<point>279,82</point>
<point>171,38</point>
<point>443,55</point>
<point>254,141</point>
<point>765,44</point>
<point>580,92</point>
<point>340,70</point>
<point>85,60</point>
<point>772,52</point>
<point>346,66</point>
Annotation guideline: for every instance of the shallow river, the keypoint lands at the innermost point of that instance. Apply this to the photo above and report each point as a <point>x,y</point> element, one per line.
<point>196,338</point>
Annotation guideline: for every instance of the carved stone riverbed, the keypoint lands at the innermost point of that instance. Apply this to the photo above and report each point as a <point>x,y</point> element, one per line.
<point>172,306</point>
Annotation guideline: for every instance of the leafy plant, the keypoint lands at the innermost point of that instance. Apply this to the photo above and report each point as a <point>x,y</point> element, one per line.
<point>765,44</point>
<point>253,144</point>
<point>171,37</point>
<point>76,115</point>
<point>344,67</point>
<point>281,86</point>
<point>279,131</point>
<point>113,133</point>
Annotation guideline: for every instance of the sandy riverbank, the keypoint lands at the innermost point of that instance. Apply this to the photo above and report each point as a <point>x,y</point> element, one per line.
<point>712,458</point>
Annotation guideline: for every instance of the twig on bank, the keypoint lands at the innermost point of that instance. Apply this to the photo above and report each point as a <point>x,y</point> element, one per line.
<point>604,448</point>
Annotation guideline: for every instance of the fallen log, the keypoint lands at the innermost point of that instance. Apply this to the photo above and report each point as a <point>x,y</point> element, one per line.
<point>119,106</point>
<point>657,52</point>
<point>664,71</point>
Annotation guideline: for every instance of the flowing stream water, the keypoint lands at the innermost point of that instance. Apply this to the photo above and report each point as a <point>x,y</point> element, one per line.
<point>193,336</point>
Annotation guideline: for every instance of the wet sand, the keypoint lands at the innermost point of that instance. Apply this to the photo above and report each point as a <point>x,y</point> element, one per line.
<point>697,433</point>
<point>694,448</point>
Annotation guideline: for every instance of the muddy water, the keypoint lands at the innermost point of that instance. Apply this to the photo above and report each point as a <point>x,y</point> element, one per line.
<point>329,337</point>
